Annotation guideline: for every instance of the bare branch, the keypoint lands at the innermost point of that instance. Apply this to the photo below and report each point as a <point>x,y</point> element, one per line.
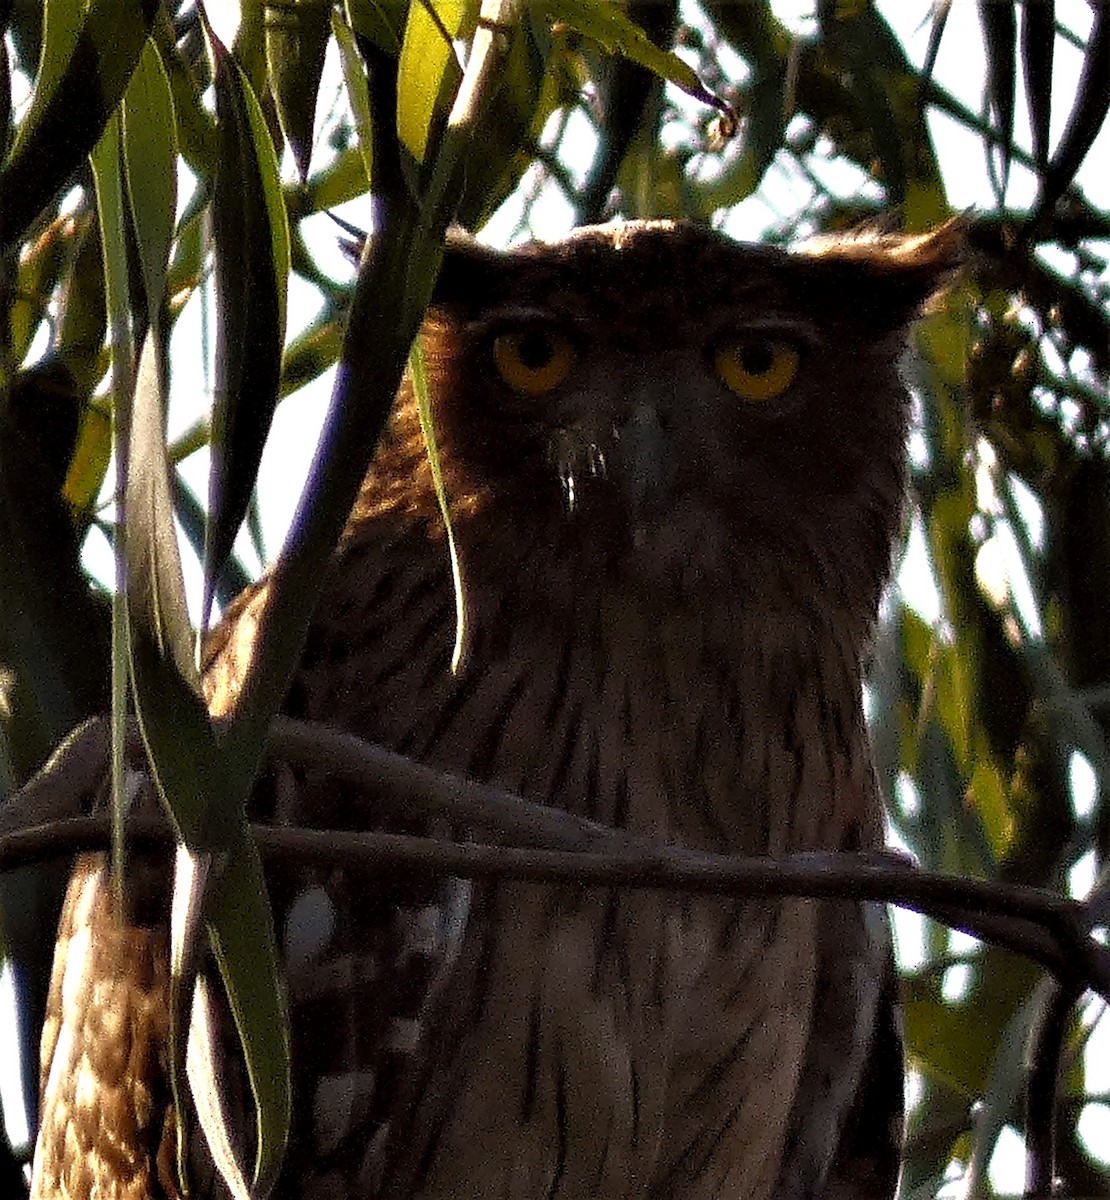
<point>535,842</point>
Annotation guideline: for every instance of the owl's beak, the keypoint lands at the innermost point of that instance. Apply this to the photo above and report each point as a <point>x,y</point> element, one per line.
<point>645,470</point>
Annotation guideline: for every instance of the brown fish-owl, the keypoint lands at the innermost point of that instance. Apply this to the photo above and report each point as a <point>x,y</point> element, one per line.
<point>676,471</point>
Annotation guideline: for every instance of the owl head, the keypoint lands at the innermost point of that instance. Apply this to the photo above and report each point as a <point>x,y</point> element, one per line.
<point>657,408</point>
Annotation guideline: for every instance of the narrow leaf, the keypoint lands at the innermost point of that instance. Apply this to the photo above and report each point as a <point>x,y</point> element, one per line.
<point>380,22</point>
<point>107,170</point>
<point>427,428</point>
<point>358,93</point>
<point>607,25</point>
<point>1038,42</point>
<point>936,32</point>
<point>1000,35</point>
<point>1092,102</point>
<point>427,67</point>
<point>82,77</point>
<point>194,521</point>
<point>296,38</point>
<point>251,235</point>
<point>150,159</point>
<point>241,932</point>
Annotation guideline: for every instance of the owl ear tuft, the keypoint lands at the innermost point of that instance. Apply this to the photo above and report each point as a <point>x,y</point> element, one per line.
<point>896,275</point>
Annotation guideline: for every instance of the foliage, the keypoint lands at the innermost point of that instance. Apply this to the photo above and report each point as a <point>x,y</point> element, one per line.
<point>451,114</point>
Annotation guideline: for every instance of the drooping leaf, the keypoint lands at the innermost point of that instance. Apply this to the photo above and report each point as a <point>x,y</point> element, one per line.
<point>195,783</point>
<point>427,428</point>
<point>1038,43</point>
<point>296,38</point>
<point>89,51</point>
<point>195,126</point>
<point>240,929</point>
<point>427,68</point>
<point>251,236</point>
<point>358,94</point>
<point>607,25</point>
<point>1092,102</point>
<point>150,161</point>
<point>936,32</point>
<point>82,319</point>
<point>1000,36</point>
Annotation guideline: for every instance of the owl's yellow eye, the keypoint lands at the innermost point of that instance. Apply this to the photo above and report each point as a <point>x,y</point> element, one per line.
<point>756,368</point>
<point>533,361</point>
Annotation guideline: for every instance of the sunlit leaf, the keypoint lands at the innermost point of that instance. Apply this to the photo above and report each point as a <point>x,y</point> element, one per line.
<point>358,93</point>
<point>426,67</point>
<point>90,460</point>
<point>607,25</point>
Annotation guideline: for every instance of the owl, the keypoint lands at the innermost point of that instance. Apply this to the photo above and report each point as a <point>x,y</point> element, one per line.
<point>676,471</point>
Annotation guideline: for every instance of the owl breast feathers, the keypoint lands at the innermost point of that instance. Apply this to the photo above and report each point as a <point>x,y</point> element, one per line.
<point>675,467</point>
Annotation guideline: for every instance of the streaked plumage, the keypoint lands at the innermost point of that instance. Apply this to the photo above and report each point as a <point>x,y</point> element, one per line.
<point>671,593</point>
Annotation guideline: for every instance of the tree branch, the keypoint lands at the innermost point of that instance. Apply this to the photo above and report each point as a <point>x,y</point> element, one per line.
<point>538,843</point>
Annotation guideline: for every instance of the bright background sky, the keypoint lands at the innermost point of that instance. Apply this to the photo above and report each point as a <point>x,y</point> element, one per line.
<point>960,68</point>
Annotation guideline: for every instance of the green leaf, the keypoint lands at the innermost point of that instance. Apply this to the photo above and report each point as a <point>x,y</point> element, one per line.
<point>196,128</point>
<point>89,52</point>
<point>514,119</point>
<point>296,38</point>
<point>195,784</point>
<point>150,161</point>
<point>358,93</point>
<point>251,235</point>
<point>170,708</point>
<point>194,521</point>
<point>241,932</point>
<point>82,314</point>
<point>427,68</point>
<point>343,180</point>
<point>380,22</point>
<point>607,25</point>
<point>90,460</point>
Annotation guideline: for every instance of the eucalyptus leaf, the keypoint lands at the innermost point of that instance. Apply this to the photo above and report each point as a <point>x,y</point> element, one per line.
<point>251,235</point>
<point>89,52</point>
<point>296,38</point>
